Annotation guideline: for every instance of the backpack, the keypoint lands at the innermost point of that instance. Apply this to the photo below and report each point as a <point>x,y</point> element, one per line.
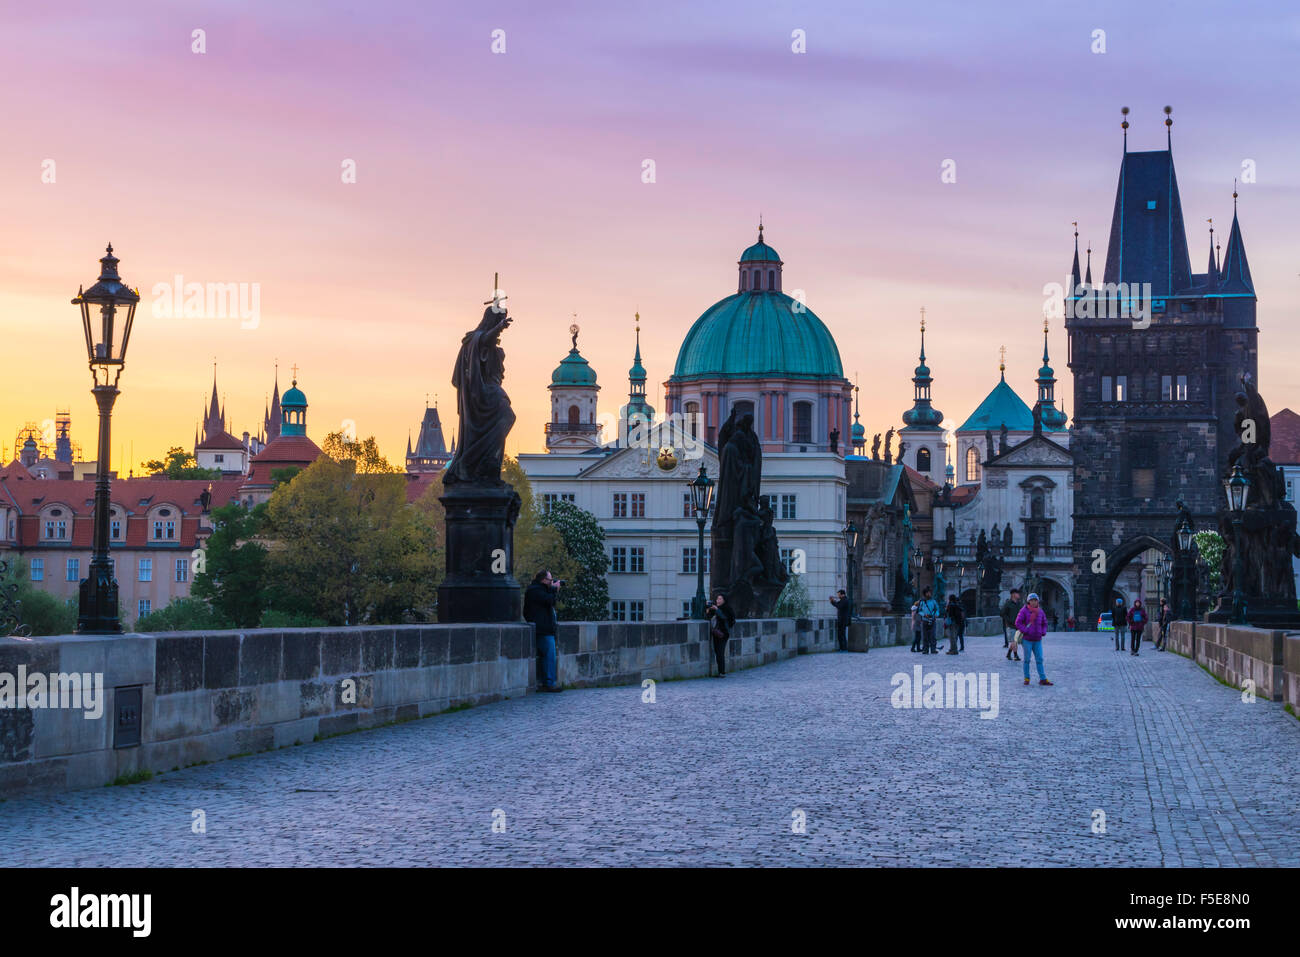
<point>1139,616</point>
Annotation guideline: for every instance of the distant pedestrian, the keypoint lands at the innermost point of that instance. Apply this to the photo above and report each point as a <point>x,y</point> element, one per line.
<point>929,611</point>
<point>1166,616</point>
<point>843,617</point>
<point>1071,623</point>
<point>539,608</point>
<point>916,628</point>
<point>1032,625</point>
<point>1137,621</point>
<point>1119,618</point>
<point>722,619</point>
<point>1010,609</point>
<point>957,621</point>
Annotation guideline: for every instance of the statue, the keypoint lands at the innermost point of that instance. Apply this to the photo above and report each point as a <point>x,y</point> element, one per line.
<point>205,499</point>
<point>1006,536</point>
<point>988,441</point>
<point>902,447</point>
<point>835,441</point>
<point>1002,439</point>
<point>889,440</point>
<point>480,508</point>
<point>950,536</point>
<point>746,557</point>
<point>1038,418</point>
<point>940,583</point>
<point>982,547</point>
<point>875,446</point>
<point>482,407</point>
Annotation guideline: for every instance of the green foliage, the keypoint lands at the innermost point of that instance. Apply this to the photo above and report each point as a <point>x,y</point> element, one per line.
<point>233,579</point>
<point>794,601</point>
<point>285,475</point>
<point>41,612</point>
<point>182,614</point>
<point>363,454</point>
<point>179,464</point>
<point>538,545</point>
<point>1210,545</point>
<point>275,618</point>
<point>586,596</point>
<point>135,777</point>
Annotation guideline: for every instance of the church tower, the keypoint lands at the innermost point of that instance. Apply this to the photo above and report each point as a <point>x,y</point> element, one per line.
<point>922,432</point>
<point>637,408</point>
<point>573,388</point>
<point>1157,352</point>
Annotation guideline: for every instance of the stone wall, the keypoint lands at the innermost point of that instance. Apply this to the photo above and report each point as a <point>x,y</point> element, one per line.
<point>1235,653</point>
<point>886,632</point>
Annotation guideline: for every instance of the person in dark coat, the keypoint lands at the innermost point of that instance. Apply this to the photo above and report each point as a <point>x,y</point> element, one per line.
<point>843,618</point>
<point>956,615</point>
<point>1166,616</point>
<point>1119,618</point>
<point>721,620</point>
<point>539,609</point>
<point>1010,610</point>
<point>1137,621</point>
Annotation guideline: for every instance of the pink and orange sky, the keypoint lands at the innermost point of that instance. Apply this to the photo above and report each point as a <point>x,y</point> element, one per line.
<point>226,167</point>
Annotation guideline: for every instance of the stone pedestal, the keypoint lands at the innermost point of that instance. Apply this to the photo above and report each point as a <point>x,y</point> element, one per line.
<point>480,584</point>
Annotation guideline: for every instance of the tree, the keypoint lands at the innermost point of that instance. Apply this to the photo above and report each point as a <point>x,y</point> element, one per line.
<point>232,579</point>
<point>281,476</point>
<point>347,549</point>
<point>364,454</point>
<point>41,612</point>
<point>179,464</point>
<point>1210,544</point>
<point>181,614</point>
<point>794,601</point>
<point>586,596</point>
<point>538,545</point>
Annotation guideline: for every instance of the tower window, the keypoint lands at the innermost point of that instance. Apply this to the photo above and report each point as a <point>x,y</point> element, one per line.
<point>1151,204</point>
<point>1107,389</point>
<point>744,280</point>
<point>574,415</point>
<point>1180,389</point>
<point>923,460</point>
<point>972,464</point>
<point>1121,388</point>
<point>771,279</point>
<point>758,279</point>
<point>802,422</point>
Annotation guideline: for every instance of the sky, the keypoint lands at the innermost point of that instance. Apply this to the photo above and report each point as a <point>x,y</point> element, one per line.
<point>228,166</point>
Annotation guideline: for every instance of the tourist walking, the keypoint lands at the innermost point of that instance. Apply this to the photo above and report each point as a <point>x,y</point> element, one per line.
<point>843,616</point>
<point>721,619</point>
<point>539,609</point>
<point>1166,616</point>
<point>1137,621</point>
<point>916,628</point>
<point>957,620</point>
<point>929,611</point>
<point>1119,618</point>
<point>1031,622</point>
<point>1010,609</point>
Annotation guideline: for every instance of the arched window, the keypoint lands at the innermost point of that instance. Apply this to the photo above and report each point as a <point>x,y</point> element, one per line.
<point>1037,504</point>
<point>771,279</point>
<point>758,279</point>
<point>802,431</point>
<point>744,280</point>
<point>972,464</point>
<point>574,415</point>
<point>693,419</point>
<point>743,407</point>
<point>923,460</point>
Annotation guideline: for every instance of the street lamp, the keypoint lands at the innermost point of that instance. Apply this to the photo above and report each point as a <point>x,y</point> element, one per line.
<point>107,311</point>
<point>1237,488</point>
<point>851,535</point>
<point>918,557</point>
<point>701,500</point>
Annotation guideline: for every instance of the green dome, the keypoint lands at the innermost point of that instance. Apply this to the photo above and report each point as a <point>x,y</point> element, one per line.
<point>759,252</point>
<point>573,370</point>
<point>859,431</point>
<point>294,398</point>
<point>758,335</point>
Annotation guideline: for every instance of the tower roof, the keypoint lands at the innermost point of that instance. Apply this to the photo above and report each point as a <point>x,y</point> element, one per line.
<point>1148,242</point>
<point>760,251</point>
<point>1236,270</point>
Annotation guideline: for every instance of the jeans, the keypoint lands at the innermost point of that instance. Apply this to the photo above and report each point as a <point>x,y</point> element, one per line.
<point>1119,637</point>
<point>842,635</point>
<point>927,631</point>
<point>546,661</point>
<point>961,636</point>
<point>916,639</point>
<point>1137,641</point>
<point>1034,649</point>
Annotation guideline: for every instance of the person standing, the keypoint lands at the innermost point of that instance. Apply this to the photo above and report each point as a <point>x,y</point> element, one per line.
<point>1137,621</point>
<point>916,628</point>
<point>957,616</point>
<point>721,618</point>
<point>1166,616</point>
<point>843,617</point>
<point>1119,618</point>
<point>1010,609</point>
<point>929,611</point>
<point>1031,622</point>
<point>539,608</point>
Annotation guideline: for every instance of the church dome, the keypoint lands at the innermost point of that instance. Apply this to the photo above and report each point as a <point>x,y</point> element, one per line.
<point>1000,407</point>
<point>760,252</point>
<point>294,398</point>
<point>573,370</point>
<point>757,335</point>
<point>859,432</point>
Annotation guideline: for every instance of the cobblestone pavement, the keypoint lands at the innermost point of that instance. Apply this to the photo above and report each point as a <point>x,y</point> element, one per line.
<point>714,772</point>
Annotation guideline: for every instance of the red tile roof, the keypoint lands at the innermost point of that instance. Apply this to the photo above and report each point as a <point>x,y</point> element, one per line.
<point>1284,433</point>
<point>285,452</point>
<point>222,441</point>
<point>418,483</point>
<point>919,481</point>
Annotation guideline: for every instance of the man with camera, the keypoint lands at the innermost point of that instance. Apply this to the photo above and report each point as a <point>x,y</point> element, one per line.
<point>721,620</point>
<point>539,609</point>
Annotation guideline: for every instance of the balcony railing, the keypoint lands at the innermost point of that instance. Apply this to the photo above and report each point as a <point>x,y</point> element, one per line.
<point>573,428</point>
<point>1048,553</point>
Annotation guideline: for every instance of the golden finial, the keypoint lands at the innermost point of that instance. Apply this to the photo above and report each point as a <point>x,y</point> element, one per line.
<point>638,320</point>
<point>1002,366</point>
<point>1124,113</point>
<point>1169,120</point>
<point>923,318</point>
<point>1075,224</point>
<point>1044,324</point>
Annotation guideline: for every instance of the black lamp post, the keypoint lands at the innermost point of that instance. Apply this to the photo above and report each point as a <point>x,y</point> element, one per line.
<point>918,557</point>
<point>979,589</point>
<point>1187,559</point>
<point>701,500</point>
<point>851,545</point>
<point>107,311</point>
<point>1237,488</point>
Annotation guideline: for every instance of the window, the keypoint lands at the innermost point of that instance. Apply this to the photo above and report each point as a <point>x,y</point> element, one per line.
<point>56,528</point>
<point>788,507</point>
<point>38,567</point>
<point>636,611</point>
<point>620,504</point>
<point>164,531</point>
<point>144,607</point>
<point>618,611</point>
<point>219,458</point>
<point>802,431</point>
<point>688,510</point>
<point>686,609</point>
<point>1180,389</point>
<point>550,498</point>
<point>1151,204</point>
<point>1290,497</point>
<point>1144,483</point>
<point>182,569</point>
<point>1121,388</point>
<point>743,407</point>
<point>923,460</point>
<point>1107,389</point>
<point>692,419</point>
<point>744,280</point>
<point>758,279</point>
<point>690,560</point>
<point>146,570</point>
<point>787,560</point>
<point>1037,504</point>
<point>708,550</point>
<point>115,529</point>
<point>972,464</point>
<point>636,560</point>
<point>74,570</point>
<point>618,559</point>
<point>1166,388</point>
<point>575,416</point>
<point>638,504</point>
<point>771,279</point>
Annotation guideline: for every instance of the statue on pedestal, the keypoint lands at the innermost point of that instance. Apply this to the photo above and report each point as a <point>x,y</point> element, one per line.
<point>875,446</point>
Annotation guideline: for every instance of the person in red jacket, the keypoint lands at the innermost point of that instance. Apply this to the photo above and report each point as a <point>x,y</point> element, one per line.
<point>1137,621</point>
<point>1032,625</point>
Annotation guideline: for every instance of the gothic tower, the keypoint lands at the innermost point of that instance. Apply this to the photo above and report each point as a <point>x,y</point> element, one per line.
<point>573,426</point>
<point>926,443</point>
<point>1157,352</point>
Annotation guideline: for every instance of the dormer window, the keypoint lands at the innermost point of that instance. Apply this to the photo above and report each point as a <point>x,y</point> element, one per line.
<point>1151,204</point>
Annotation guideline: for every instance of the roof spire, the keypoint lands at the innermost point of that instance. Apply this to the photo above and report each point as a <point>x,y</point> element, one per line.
<point>760,227</point>
<point>1088,278</point>
<point>1002,365</point>
<point>1169,126</point>
<point>923,335</point>
<point>1213,269</point>
<point>1045,360</point>
<point>1074,268</point>
<point>1124,125</point>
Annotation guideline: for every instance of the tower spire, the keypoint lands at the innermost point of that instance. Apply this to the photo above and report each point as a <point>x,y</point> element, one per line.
<point>1002,363</point>
<point>1087,279</point>
<point>1124,125</point>
<point>1169,127</point>
<point>1074,268</point>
